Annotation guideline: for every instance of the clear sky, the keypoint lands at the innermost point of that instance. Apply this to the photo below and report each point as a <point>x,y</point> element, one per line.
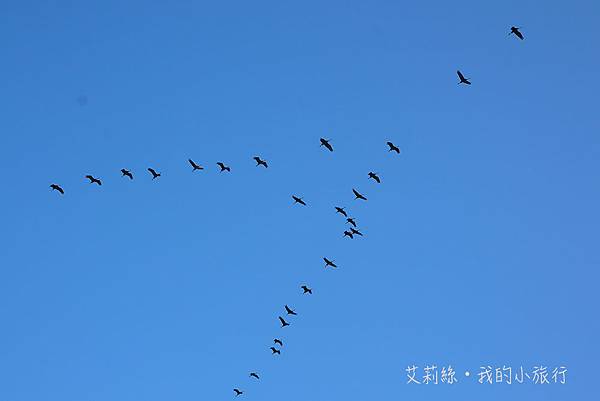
<point>481,242</point>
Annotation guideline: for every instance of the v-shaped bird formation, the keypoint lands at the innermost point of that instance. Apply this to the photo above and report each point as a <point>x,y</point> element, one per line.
<point>351,232</point>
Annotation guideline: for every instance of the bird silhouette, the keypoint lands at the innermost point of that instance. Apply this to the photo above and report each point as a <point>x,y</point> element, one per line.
<point>375,177</point>
<point>462,78</point>
<point>283,322</point>
<point>126,173</point>
<point>275,351</point>
<point>195,166</point>
<point>290,311</point>
<point>358,195</point>
<point>93,180</point>
<point>155,175</point>
<point>298,200</point>
<point>260,162</point>
<point>329,262</point>
<point>514,30</point>
<point>348,234</point>
<point>355,232</point>
<point>325,142</point>
<point>306,290</point>
<point>56,187</point>
<point>255,375</point>
<point>341,211</point>
<point>351,221</point>
<point>237,392</point>
<point>278,341</point>
<point>223,167</point>
<point>393,148</point>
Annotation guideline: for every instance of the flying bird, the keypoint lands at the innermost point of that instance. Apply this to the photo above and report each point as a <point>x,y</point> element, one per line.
<point>290,311</point>
<point>223,167</point>
<point>283,322</point>
<point>348,234</point>
<point>341,211</point>
<point>306,290</point>
<point>329,262</point>
<point>56,187</point>
<point>237,392</point>
<point>275,351</point>
<point>514,30</point>
<point>351,221</point>
<point>358,195</point>
<point>355,232</point>
<point>298,200</point>
<point>154,173</point>
<point>325,142</point>
<point>393,148</point>
<point>462,78</point>
<point>195,166</point>
<point>93,180</point>
<point>255,375</point>
<point>375,177</point>
<point>260,162</point>
<point>126,173</point>
<point>278,341</point>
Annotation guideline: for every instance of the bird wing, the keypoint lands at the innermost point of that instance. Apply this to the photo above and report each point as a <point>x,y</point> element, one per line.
<point>151,170</point>
<point>460,75</point>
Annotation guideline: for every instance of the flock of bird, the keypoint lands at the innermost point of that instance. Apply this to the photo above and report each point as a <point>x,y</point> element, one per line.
<point>350,233</point>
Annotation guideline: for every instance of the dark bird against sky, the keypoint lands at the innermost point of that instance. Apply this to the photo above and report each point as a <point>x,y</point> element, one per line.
<point>515,31</point>
<point>56,187</point>
<point>329,262</point>
<point>298,200</point>
<point>348,234</point>
<point>126,173</point>
<point>93,180</point>
<point>275,351</point>
<point>255,375</point>
<point>155,175</point>
<point>195,166</point>
<point>306,290</point>
<point>393,148</point>
<point>375,177</point>
<point>325,142</point>
<point>278,341</point>
<point>290,311</point>
<point>223,167</point>
<point>351,221</point>
<point>237,392</point>
<point>283,322</point>
<point>260,162</point>
<point>341,211</point>
<point>358,195</point>
<point>462,78</point>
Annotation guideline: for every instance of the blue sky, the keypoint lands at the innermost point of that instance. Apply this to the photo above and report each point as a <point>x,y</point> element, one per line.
<point>480,245</point>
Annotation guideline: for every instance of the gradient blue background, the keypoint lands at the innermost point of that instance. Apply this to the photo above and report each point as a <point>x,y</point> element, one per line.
<point>482,240</point>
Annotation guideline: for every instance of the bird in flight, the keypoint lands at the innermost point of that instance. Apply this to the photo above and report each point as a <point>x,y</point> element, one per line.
<point>355,232</point>
<point>462,78</point>
<point>275,351</point>
<point>348,234</point>
<point>515,31</point>
<point>351,221</point>
<point>155,175</point>
<point>290,311</point>
<point>223,167</point>
<point>93,180</point>
<point>329,262</point>
<point>283,322</point>
<point>255,375</point>
<point>375,177</point>
<point>325,142</point>
<point>341,211</point>
<point>278,341</point>
<point>126,173</point>
<point>260,162</point>
<point>306,290</point>
<point>358,195</point>
<point>56,187</point>
<point>298,200</point>
<point>237,392</point>
<point>393,148</point>
<point>195,166</point>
